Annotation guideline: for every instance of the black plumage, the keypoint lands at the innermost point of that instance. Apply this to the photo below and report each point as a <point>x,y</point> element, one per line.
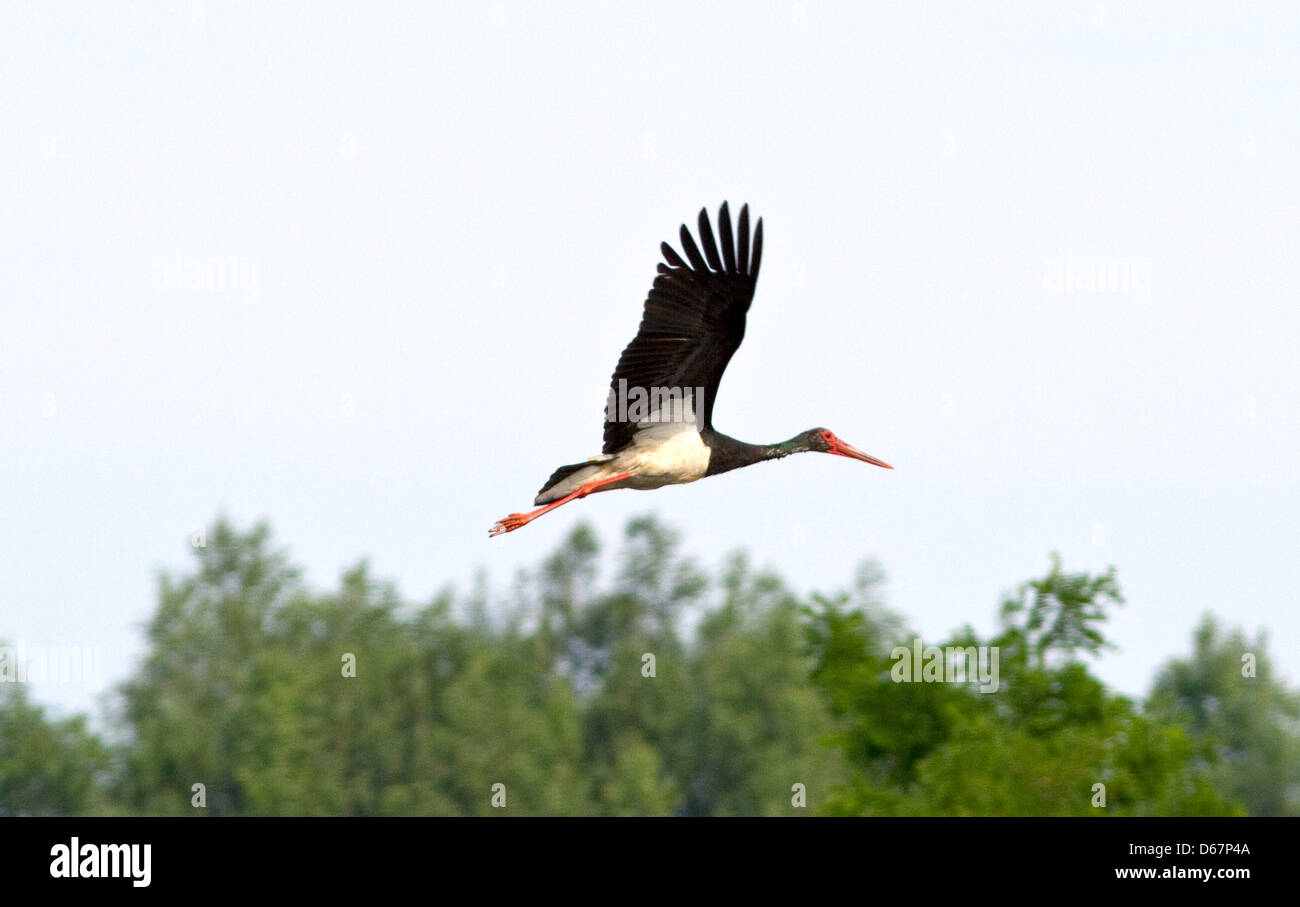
<point>693,321</point>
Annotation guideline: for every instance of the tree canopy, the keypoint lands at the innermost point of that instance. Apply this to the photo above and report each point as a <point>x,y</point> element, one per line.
<point>661,689</point>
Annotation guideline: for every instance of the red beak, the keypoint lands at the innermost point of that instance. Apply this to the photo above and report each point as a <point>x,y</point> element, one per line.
<point>848,450</point>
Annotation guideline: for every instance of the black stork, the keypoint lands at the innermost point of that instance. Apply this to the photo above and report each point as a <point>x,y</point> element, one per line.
<point>659,416</point>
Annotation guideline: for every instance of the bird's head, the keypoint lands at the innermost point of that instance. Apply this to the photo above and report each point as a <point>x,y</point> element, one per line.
<point>823,440</point>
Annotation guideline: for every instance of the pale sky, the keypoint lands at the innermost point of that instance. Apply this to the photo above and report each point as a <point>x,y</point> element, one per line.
<point>449,215</point>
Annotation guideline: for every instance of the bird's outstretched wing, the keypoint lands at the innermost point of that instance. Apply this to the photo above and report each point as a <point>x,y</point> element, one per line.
<point>693,322</point>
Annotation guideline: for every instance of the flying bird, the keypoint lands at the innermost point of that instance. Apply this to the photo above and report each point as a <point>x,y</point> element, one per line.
<point>659,413</point>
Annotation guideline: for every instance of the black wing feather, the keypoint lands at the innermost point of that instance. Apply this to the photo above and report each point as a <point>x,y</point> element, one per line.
<point>674,260</point>
<point>693,321</point>
<point>710,244</point>
<point>692,251</point>
<point>728,244</point>
<point>743,254</point>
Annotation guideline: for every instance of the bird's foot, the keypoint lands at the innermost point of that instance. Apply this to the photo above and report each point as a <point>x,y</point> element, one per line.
<point>508,524</point>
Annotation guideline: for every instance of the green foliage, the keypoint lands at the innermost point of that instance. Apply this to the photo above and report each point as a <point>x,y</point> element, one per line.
<point>1245,723</point>
<point>47,768</point>
<point>1051,741</point>
<point>658,691</point>
<point>1059,614</point>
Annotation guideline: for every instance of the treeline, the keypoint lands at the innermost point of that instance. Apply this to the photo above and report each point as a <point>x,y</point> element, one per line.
<point>658,690</point>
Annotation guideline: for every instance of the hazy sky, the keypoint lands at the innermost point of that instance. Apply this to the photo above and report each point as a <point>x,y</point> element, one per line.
<point>446,217</point>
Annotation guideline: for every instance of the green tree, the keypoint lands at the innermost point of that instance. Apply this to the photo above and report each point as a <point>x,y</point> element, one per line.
<point>656,690</point>
<point>757,727</point>
<point>1243,720</point>
<point>284,703</point>
<point>47,767</point>
<point>1050,741</point>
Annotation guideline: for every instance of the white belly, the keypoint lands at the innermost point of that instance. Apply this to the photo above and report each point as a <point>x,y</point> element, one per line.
<point>664,451</point>
<point>668,454</point>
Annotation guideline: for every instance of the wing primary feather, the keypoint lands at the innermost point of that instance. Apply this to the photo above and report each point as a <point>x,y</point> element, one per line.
<point>743,230</point>
<point>758,249</point>
<point>710,244</point>
<point>728,243</point>
<point>692,251</point>
<point>671,256</point>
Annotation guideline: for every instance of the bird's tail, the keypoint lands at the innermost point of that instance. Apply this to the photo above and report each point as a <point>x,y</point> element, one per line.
<point>570,478</point>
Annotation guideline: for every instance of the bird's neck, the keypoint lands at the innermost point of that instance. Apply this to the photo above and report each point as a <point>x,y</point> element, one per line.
<point>728,453</point>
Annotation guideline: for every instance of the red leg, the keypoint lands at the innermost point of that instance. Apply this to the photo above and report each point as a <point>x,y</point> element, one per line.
<point>518,520</point>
